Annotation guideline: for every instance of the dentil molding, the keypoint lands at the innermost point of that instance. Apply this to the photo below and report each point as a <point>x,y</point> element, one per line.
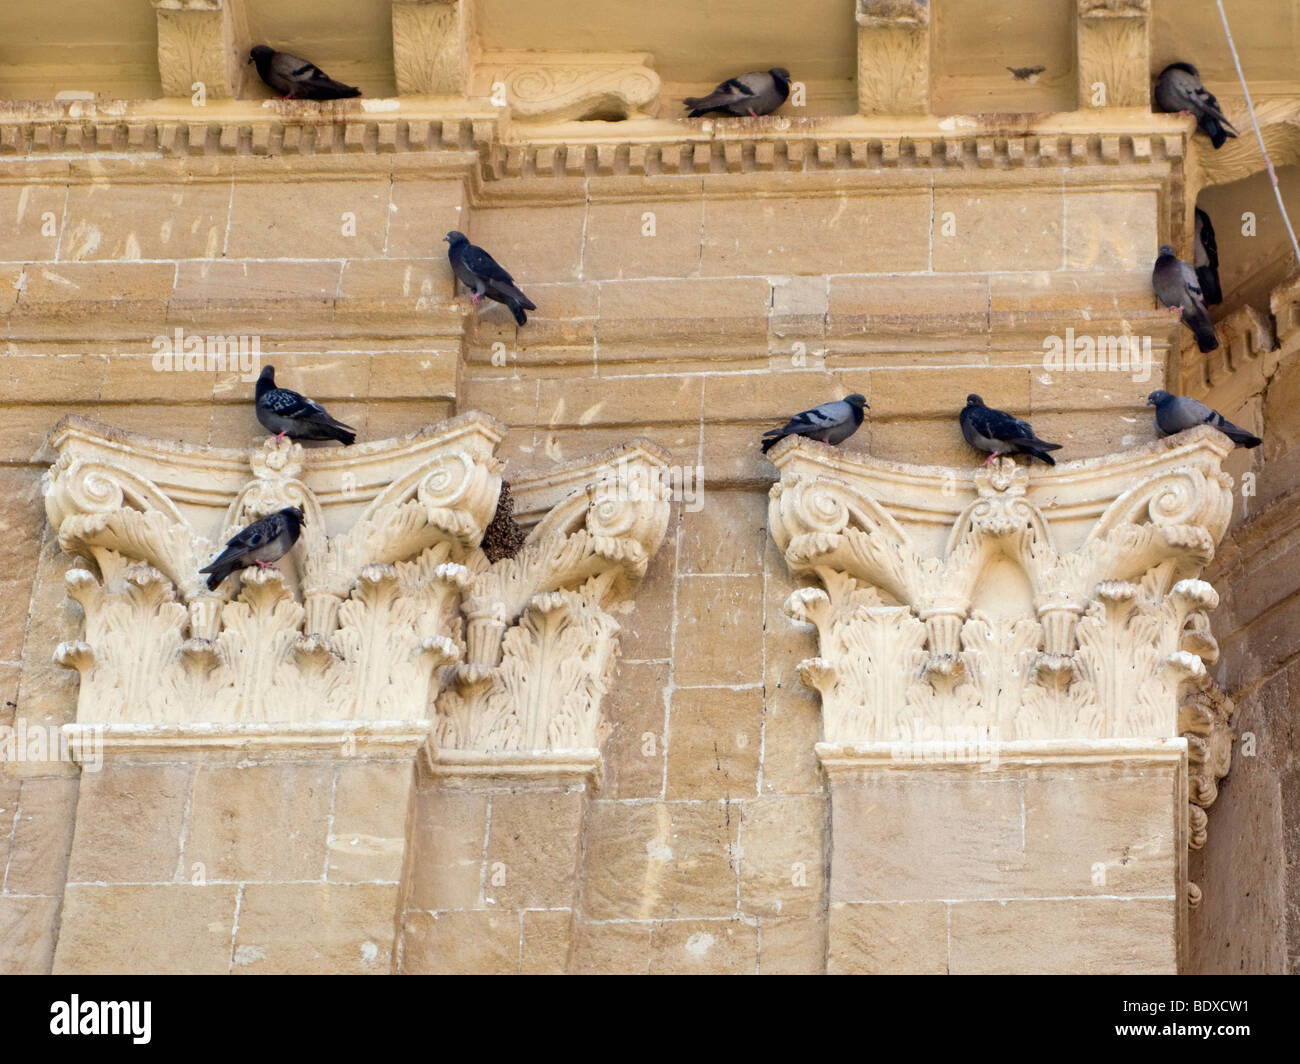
<point>387,596</point>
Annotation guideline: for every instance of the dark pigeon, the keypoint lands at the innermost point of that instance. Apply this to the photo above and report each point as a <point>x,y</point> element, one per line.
<point>261,543</point>
<point>297,79</point>
<point>1000,433</point>
<point>1177,287</point>
<point>286,413</point>
<point>1179,90</point>
<point>1176,413</point>
<point>1206,260</point>
<point>832,422</point>
<point>479,272</point>
<point>759,92</point>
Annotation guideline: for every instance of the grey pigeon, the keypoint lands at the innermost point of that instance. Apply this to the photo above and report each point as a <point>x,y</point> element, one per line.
<point>1206,260</point>
<point>260,544</point>
<point>1179,89</point>
<point>286,413</point>
<point>832,422</point>
<point>480,273</point>
<point>999,433</point>
<point>1175,413</point>
<point>297,79</point>
<point>759,92</point>
<point>1177,287</point>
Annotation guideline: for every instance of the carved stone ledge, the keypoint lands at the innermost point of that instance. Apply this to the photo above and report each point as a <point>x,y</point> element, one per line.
<point>513,770</point>
<point>199,41</point>
<point>893,57</point>
<point>1284,301</point>
<point>1065,605</point>
<point>1239,368</point>
<point>249,742</point>
<point>563,86</point>
<point>1114,51</point>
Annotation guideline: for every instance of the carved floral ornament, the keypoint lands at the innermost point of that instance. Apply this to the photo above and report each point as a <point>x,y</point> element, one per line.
<point>386,603</point>
<point>1063,606</point>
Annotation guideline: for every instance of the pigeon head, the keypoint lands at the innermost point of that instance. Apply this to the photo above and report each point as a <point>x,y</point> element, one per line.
<point>267,374</point>
<point>857,400</point>
<point>1157,397</point>
<point>1181,66</point>
<point>455,239</point>
<point>780,74</point>
<point>294,515</point>
<point>974,400</point>
<point>261,54</point>
<point>1167,251</point>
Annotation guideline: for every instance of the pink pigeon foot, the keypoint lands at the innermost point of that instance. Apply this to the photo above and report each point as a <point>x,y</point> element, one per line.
<point>991,457</point>
<point>265,565</point>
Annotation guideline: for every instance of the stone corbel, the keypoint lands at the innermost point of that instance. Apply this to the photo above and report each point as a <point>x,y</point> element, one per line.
<point>893,57</point>
<point>541,641</point>
<point>199,41</point>
<point>1239,368</point>
<point>1087,625</point>
<point>432,45</point>
<point>564,86</point>
<point>1205,721</point>
<point>352,626</point>
<point>1114,53</point>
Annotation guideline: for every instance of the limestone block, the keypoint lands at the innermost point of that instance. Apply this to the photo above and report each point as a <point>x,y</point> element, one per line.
<point>450,832</point>
<point>531,856</point>
<point>703,947</point>
<point>783,860</point>
<point>368,832</point>
<point>263,822</point>
<point>635,751</point>
<point>42,836</point>
<point>146,221</point>
<point>792,945</point>
<point>334,929</point>
<point>621,948</point>
<point>157,930</point>
<point>461,943</point>
<point>716,643</point>
<point>32,223</point>
<point>725,531</point>
<point>28,927</point>
<point>545,946</point>
<point>130,819</point>
<point>535,244</point>
<point>642,238</point>
<point>714,743</point>
<point>339,219</point>
<point>888,938</point>
<point>665,859</point>
<point>1093,936</point>
<point>997,230</point>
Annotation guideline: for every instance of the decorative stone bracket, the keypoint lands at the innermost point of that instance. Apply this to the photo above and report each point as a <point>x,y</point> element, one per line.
<point>387,586</point>
<point>1088,625</point>
<point>893,57</point>
<point>200,41</point>
<point>563,86</point>
<point>1114,50</point>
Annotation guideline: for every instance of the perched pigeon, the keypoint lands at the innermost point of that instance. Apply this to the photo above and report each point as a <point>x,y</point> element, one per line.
<point>1000,433</point>
<point>1174,413</point>
<point>832,422</point>
<point>481,274</point>
<point>1179,91</point>
<point>1206,260</point>
<point>260,544</point>
<point>287,413</point>
<point>297,79</point>
<point>1177,287</point>
<point>757,93</point>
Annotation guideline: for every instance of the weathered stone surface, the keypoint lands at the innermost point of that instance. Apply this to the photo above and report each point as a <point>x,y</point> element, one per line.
<point>888,938</point>
<point>336,928</point>
<point>130,819</point>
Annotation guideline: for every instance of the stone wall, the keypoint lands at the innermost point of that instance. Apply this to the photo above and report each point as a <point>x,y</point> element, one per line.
<point>695,284</point>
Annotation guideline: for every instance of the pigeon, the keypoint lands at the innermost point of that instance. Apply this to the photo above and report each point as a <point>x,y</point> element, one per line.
<point>832,422</point>
<point>1174,413</point>
<point>297,79</point>
<point>1179,91</point>
<point>1206,260</point>
<point>481,274</point>
<point>1177,287</point>
<point>260,544</point>
<point>759,92</point>
<point>287,413</point>
<point>999,433</point>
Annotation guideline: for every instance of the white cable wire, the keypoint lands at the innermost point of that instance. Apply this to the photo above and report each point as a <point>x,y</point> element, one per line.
<point>1277,191</point>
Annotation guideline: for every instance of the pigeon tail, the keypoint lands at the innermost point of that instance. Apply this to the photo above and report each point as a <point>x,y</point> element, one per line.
<point>1209,282</point>
<point>1237,435</point>
<point>1217,131</point>
<point>776,438</point>
<point>1040,452</point>
<point>1205,338</point>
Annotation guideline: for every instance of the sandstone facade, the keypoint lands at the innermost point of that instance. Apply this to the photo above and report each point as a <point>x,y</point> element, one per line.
<point>857,710</point>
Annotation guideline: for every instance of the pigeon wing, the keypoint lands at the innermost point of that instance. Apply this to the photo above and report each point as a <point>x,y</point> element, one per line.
<point>289,404</point>
<point>484,266</point>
